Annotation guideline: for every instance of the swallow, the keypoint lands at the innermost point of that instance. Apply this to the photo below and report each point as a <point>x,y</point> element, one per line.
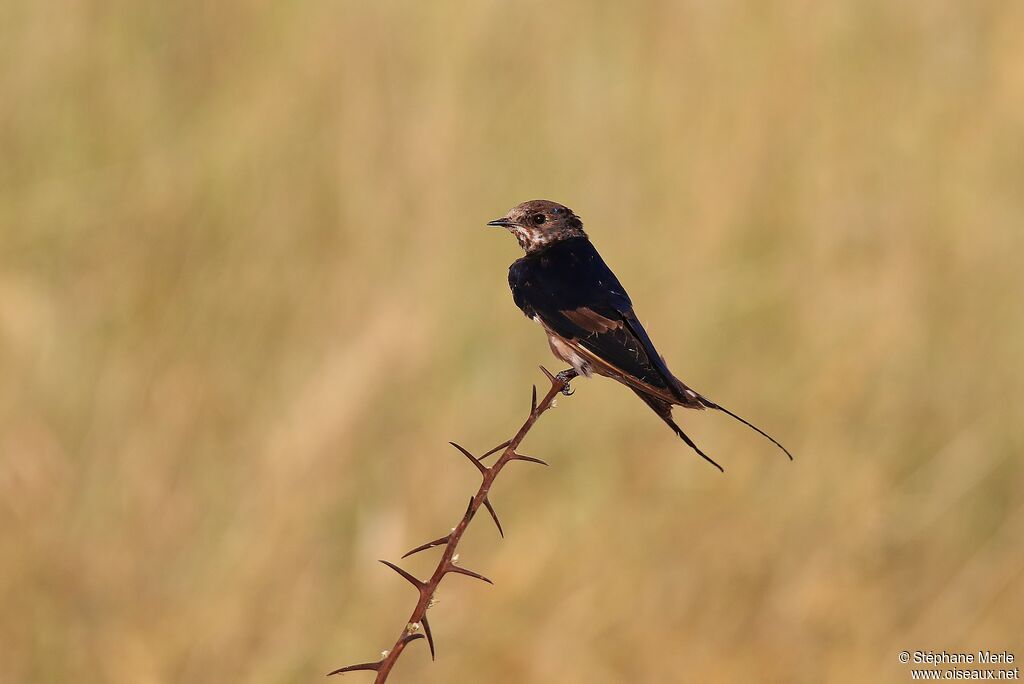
<point>563,284</point>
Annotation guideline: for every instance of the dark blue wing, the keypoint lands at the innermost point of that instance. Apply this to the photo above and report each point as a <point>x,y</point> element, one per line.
<point>576,296</point>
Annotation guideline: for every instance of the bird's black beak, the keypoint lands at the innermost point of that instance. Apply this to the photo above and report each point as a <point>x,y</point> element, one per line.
<point>502,223</point>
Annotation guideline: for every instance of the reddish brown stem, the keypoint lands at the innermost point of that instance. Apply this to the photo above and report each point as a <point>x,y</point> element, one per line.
<point>446,564</point>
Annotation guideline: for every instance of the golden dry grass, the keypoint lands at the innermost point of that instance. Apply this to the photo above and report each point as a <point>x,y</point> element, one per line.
<point>246,296</point>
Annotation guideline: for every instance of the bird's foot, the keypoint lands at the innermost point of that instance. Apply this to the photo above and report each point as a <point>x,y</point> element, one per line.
<point>565,377</point>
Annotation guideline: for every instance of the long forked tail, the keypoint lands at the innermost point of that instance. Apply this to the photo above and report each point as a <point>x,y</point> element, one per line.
<point>683,436</point>
<point>712,405</point>
<point>664,411</point>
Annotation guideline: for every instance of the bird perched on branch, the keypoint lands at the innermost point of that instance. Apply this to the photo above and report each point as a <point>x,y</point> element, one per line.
<point>564,285</point>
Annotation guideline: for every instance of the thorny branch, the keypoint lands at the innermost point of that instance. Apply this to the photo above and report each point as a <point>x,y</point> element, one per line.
<point>449,558</point>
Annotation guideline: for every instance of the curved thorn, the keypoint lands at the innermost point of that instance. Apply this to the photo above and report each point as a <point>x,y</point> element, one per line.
<point>528,459</point>
<point>412,580</point>
<point>548,375</point>
<point>411,637</point>
<point>430,637</point>
<point>429,545</point>
<point>469,573</point>
<point>496,449</point>
<point>490,509</point>
<point>479,466</point>
<point>361,666</point>
<point>469,511</point>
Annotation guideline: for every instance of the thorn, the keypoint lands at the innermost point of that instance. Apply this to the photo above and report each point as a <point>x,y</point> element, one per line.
<point>548,375</point>
<point>528,459</point>
<point>412,580</point>
<point>469,512</point>
<point>411,637</point>
<point>533,401</point>
<point>361,666</point>
<point>496,449</point>
<point>490,509</point>
<point>468,573</point>
<point>430,544</point>
<point>426,630</point>
<point>479,466</point>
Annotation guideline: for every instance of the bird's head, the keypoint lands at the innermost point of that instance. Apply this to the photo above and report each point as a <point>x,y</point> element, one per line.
<point>539,223</point>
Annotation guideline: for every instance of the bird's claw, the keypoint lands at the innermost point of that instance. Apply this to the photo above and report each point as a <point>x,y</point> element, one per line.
<point>565,377</point>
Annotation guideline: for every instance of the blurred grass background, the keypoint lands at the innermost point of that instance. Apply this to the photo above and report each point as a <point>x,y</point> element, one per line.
<point>246,296</point>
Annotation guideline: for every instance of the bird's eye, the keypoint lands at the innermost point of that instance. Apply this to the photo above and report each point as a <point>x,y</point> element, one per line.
<point>538,219</point>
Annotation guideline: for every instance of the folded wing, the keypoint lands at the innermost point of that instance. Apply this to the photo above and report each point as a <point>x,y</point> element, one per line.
<point>575,296</point>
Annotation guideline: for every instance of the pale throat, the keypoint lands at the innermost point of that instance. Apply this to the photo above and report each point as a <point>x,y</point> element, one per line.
<point>531,241</point>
